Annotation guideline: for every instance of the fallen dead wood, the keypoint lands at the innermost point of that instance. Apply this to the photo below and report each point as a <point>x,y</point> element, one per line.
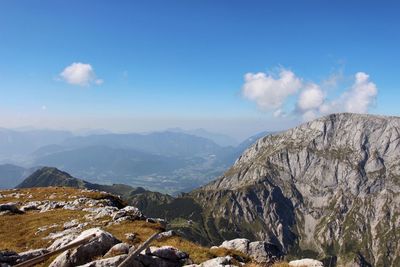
<point>132,254</point>
<point>44,257</point>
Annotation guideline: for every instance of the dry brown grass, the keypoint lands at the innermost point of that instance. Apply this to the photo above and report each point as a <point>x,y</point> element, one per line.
<point>196,252</point>
<point>17,232</point>
<point>44,193</point>
<point>142,229</point>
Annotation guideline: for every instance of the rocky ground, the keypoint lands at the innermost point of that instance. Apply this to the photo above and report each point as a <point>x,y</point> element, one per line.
<point>36,221</point>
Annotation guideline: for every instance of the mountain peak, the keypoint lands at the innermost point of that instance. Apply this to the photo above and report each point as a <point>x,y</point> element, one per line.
<point>330,186</point>
<point>50,176</point>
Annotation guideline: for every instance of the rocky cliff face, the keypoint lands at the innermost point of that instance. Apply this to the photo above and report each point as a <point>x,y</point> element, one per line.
<point>328,188</point>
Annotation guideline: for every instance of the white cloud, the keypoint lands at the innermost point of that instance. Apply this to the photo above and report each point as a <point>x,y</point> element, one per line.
<point>362,95</point>
<point>357,99</point>
<point>309,115</point>
<point>270,92</point>
<point>80,74</point>
<point>310,98</point>
<point>279,113</point>
<point>333,80</point>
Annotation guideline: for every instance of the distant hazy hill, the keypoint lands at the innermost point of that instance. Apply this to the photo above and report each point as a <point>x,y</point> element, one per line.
<point>169,162</point>
<point>17,145</point>
<point>47,176</point>
<point>139,197</point>
<point>158,143</point>
<point>11,175</point>
<point>220,139</point>
<point>110,161</point>
<point>164,161</point>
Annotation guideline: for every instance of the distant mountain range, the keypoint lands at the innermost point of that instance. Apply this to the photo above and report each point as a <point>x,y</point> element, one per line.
<point>220,139</point>
<point>170,161</point>
<point>17,145</point>
<point>11,175</point>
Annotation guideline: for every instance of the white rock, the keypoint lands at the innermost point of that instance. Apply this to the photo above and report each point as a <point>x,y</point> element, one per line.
<point>71,224</point>
<point>86,252</point>
<point>61,242</point>
<point>167,252</point>
<point>216,262</point>
<point>167,234</point>
<point>239,244</point>
<point>108,262</point>
<point>12,258</point>
<point>118,249</point>
<point>33,205</point>
<point>10,207</point>
<point>306,263</point>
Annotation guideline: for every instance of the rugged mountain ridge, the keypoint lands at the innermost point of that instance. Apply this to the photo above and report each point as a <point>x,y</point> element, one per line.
<point>329,189</point>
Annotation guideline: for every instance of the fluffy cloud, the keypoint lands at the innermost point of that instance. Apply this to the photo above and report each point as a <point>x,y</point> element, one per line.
<point>310,98</point>
<point>279,113</point>
<point>362,94</point>
<point>358,99</point>
<point>270,92</point>
<point>80,74</point>
<point>309,115</point>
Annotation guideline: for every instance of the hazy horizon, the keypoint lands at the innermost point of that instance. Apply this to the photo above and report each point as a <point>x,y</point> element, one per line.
<point>234,68</point>
<point>226,127</point>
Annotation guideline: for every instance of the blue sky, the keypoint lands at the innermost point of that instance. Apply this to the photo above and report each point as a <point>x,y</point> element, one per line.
<point>161,64</point>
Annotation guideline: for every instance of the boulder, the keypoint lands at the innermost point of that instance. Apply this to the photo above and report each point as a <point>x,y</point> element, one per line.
<point>70,231</point>
<point>118,249</point>
<point>61,242</point>
<point>8,257</point>
<point>97,247</point>
<point>105,211</point>
<point>306,263</point>
<point>23,256</point>
<point>261,251</point>
<point>10,208</point>
<point>128,213</point>
<point>167,252</point>
<point>11,257</point>
<point>71,224</point>
<point>51,205</point>
<point>167,234</point>
<point>239,244</point>
<point>108,262</point>
<point>216,262</point>
<point>33,205</point>
<point>154,261</point>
